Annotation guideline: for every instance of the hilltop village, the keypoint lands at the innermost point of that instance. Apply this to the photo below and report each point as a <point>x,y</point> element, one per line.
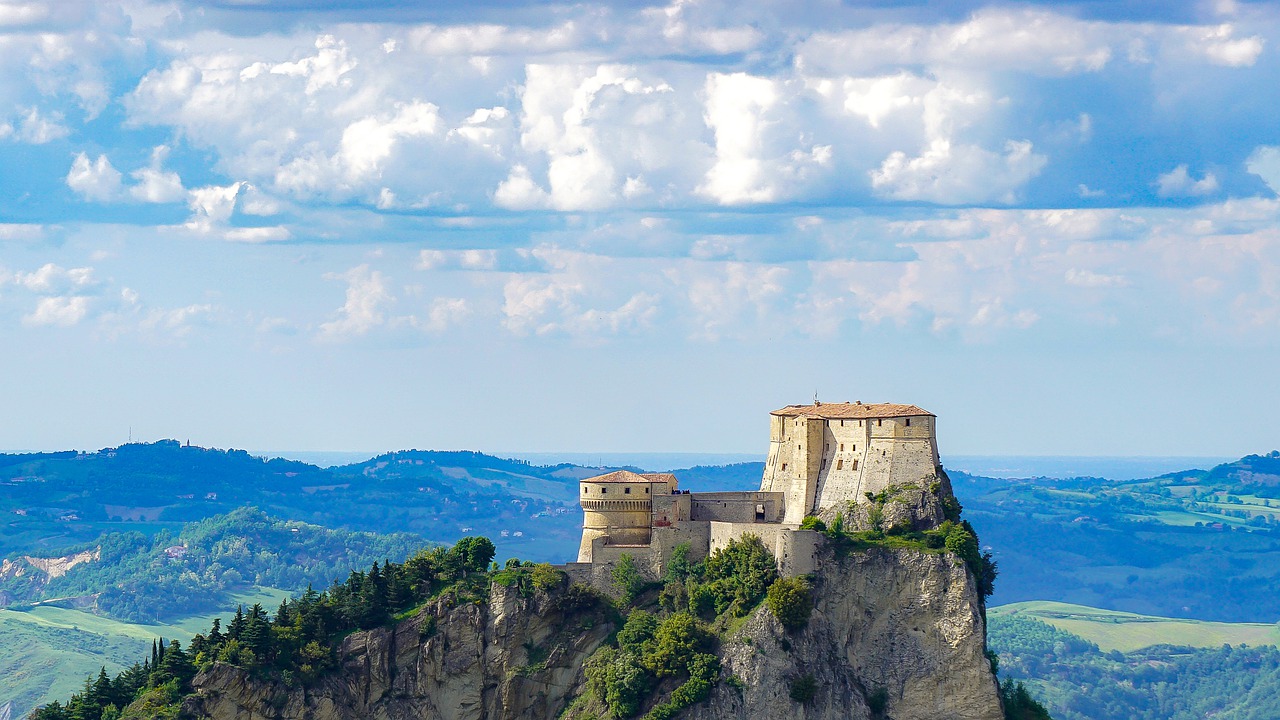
<point>824,458</point>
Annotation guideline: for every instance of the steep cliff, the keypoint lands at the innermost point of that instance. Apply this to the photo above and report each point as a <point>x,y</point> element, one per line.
<point>894,633</point>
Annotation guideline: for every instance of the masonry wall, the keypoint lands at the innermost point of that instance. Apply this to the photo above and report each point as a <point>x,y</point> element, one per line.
<point>744,507</point>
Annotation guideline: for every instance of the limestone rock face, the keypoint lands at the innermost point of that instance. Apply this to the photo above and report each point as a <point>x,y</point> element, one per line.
<point>894,633</point>
<point>899,631</point>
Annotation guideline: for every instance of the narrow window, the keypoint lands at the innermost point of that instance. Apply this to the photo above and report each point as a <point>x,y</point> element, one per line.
<point>646,491</point>
<point>841,447</point>
<point>586,490</point>
<point>626,491</point>
<point>908,422</point>
<point>879,422</point>
<point>855,465</point>
<point>784,466</point>
<point>855,447</point>
<point>839,464</point>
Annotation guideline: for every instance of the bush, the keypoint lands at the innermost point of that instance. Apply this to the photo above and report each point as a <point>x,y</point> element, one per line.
<point>675,642</point>
<point>1018,703</point>
<point>813,523</point>
<point>803,689</point>
<point>739,574</point>
<point>790,601</point>
<point>627,578</point>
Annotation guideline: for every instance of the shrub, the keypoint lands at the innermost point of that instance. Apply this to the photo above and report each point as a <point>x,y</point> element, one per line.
<point>803,689</point>
<point>626,578</point>
<point>790,601</point>
<point>1018,703</point>
<point>675,642</point>
<point>813,523</point>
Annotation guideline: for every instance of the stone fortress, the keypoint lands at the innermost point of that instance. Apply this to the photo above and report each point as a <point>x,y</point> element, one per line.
<point>824,459</point>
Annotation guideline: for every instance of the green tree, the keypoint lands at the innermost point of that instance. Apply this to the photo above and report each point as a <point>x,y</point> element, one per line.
<point>627,578</point>
<point>790,600</point>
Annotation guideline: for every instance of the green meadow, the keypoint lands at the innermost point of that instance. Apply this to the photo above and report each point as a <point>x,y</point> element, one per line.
<point>47,652</point>
<point>1123,631</point>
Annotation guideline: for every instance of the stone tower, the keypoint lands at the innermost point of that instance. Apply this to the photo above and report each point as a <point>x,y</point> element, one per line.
<point>828,455</point>
<point>619,506</point>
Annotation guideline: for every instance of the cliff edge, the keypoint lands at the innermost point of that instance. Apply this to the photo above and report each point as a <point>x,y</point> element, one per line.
<point>894,632</point>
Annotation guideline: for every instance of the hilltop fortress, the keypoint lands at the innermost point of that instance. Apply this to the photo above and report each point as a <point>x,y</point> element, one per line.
<point>824,459</point>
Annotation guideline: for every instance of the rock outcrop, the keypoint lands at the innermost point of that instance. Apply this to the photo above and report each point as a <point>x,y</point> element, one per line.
<point>894,633</point>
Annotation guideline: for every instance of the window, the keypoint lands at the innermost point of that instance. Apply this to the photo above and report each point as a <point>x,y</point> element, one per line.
<point>626,491</point>
<point>839,464</point>
<point>604,490</point>
<point>908,422</point>
<point>879,422</point>
<point>586,490</point>
<point>759,511</point>
<point>855,465</point>
<point>646,491</point>
<point>841,447</point>
<point>784,466</point>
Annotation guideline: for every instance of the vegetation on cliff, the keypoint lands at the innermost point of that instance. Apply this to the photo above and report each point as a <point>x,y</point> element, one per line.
<point>664,658</point>
<point>297,644</point>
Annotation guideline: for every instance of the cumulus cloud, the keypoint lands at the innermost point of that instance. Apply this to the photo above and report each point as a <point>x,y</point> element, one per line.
<point>959,174</point>
<point>61,311</point>
<point>94,179</point>
<point>154,184</point>
<point>367,298</point>
<point>1179,183</point>
<point>35,128</point>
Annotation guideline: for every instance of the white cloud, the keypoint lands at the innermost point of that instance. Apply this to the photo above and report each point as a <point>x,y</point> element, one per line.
<point>992,39</point>
<point>94,179</point>
<point>1090,279</point>
<point>58,310</point>
<point>1265,163</point>
<point>519,191</point>
<point>949,174</point>
<point>21,231</point>
<point>1179,183</point>
<point>156,185</point>
<point>365,307</point>
<point>1221,47</point>
<point>35,128</point>
<point>443,314</point>
<point>212,206</point>
<point>55,279</point>
<point>735,111</point>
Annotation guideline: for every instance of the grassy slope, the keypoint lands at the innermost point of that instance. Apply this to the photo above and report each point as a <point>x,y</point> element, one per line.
<point>46,652</point>
<point>1123,631</point>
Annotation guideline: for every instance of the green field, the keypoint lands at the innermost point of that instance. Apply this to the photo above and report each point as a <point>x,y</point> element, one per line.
<point>1125,632</point>
<point>46,652</point>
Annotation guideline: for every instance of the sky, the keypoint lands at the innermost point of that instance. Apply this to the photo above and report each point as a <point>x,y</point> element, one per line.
<point>638,227</point>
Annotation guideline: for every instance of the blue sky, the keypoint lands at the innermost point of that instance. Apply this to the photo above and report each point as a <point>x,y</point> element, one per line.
<point>638,227</point>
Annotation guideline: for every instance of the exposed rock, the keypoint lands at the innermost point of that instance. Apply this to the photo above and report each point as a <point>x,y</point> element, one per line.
<point>897,630</point>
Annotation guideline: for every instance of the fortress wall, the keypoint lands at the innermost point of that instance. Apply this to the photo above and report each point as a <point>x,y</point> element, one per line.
<point>696,534</point>
<point>671,509</point>
<point>797,552</point>
<point>723,532</point>
<point>738,506</point>
<point>844,455</point>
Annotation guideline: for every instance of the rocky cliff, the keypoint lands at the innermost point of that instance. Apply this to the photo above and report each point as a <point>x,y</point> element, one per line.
<point>894,633</point>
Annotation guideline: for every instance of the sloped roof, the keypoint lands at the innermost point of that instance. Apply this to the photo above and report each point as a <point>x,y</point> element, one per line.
<point>851,411</point>
<point>626,476</point>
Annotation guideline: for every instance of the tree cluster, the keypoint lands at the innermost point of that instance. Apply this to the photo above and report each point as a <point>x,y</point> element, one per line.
<point>297,644</point>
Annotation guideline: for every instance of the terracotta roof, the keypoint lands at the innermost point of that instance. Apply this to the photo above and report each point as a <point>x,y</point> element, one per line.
<point>626,476</point>
<point>851,411</point>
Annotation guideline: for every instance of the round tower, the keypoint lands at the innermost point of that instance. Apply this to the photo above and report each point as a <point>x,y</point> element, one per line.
<point>617,506</point>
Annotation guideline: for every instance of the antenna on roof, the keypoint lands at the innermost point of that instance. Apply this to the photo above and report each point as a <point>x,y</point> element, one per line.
<point>815,398</point>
